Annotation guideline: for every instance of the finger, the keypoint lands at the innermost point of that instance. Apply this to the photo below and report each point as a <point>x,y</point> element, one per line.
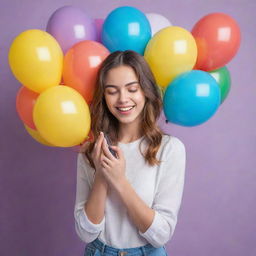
<point>104,165</point>
<point>99,144</point>
<point>106,160</point>
<point>106,151</point>
<point>118,151</point>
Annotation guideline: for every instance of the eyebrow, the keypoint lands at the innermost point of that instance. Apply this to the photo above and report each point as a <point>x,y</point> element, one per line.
<point>115,86</point>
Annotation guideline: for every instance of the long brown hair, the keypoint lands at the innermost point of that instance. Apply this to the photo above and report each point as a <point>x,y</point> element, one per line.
<point>103,120</point>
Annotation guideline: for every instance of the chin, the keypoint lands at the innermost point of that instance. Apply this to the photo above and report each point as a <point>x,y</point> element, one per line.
<point>127,120</point>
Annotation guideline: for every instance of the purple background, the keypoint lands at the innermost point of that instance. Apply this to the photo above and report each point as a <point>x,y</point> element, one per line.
<point>37,183</point>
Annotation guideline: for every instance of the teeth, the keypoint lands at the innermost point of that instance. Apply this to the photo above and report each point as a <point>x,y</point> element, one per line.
<point>125,109</point>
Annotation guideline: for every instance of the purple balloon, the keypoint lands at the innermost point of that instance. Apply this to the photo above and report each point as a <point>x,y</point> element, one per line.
<point>99,24</point>
<point>70,25</point>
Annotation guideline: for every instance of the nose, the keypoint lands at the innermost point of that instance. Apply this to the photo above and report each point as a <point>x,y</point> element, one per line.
<point>122,97</point>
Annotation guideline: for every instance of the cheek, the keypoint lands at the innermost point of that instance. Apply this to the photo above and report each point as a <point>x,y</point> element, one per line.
<point>108,99</point>
<point>140,98</point>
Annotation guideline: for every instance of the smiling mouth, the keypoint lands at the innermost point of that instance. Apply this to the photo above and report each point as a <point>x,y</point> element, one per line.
<point>125,110</point>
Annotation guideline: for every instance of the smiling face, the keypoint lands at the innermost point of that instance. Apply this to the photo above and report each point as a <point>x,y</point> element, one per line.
<point>123,94</point>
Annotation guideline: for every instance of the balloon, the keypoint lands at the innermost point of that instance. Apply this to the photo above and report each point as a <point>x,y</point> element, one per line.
<point>81,64</point>
<point>70,25</point>
<point>192,98</point>
<point>62,116</point>
<point>126,28</point>
<point>25,101</point>
<point>36,136</point>
<point>222,76</point>
<point>218,39</point>
<point>36,60</point>
<point>89,138</point>
<point>157,22</point>
<point>98,24</point>
<point>169,53</point>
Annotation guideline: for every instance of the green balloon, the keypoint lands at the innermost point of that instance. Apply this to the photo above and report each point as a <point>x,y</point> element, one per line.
<point>222,76</point>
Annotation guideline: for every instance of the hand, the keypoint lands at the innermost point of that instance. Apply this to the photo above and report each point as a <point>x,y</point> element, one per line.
<point>96,155</point>
<point>113,168</point>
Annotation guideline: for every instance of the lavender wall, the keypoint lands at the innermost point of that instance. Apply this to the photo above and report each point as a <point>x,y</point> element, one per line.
<point>37,183</point>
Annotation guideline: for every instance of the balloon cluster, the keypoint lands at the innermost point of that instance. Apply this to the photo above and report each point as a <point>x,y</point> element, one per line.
<point>58,67</point>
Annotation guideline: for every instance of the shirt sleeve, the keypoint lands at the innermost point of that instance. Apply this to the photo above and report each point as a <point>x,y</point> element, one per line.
<point>85,229</point>
<point>168,196</point>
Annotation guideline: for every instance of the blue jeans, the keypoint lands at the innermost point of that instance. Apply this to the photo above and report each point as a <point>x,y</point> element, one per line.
<point>97,248</point>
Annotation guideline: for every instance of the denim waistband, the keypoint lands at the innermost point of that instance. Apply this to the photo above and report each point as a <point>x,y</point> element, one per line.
<point>103,248</point>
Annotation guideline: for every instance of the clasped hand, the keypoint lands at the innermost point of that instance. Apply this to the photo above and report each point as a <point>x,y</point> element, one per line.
<point>112,168</point>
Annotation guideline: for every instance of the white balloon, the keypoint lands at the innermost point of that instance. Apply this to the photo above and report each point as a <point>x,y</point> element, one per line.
<point>157,22</point>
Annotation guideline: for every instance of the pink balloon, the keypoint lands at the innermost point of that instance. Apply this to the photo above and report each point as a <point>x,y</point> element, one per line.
<point>70,25</point>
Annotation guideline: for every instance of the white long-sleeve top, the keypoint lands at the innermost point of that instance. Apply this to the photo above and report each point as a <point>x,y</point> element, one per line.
<point>160,187</point>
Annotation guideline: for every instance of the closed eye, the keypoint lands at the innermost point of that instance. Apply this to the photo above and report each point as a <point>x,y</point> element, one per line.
<point>132,91</point>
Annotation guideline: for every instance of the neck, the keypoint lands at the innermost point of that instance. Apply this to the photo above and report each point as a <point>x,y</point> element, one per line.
<point>129,133</point>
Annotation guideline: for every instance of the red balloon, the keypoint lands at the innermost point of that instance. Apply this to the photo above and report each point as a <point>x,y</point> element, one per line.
<point>25,101</point>
<point>81,64</point>
<point>218,38</point>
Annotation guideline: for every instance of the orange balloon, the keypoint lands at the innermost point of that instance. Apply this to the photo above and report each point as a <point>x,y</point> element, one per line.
<point>25,101</point>
<point>218,39</point>
<point>81,64</point>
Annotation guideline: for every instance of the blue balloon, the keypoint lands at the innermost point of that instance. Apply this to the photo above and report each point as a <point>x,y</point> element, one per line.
<point>192,98</point>
<point>126,28</point>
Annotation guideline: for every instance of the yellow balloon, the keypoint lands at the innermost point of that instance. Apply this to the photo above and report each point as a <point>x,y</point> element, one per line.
<point>170,52</point>
<point>36,60</point>
<point>36,136</point>
<point>62,116</point>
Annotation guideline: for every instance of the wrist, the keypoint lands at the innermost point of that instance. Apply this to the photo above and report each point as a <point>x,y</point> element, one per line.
<point>100,178</point>
<point>121,185</point>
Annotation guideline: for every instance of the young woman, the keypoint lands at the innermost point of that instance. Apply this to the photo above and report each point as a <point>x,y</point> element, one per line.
<point>127,203</point>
